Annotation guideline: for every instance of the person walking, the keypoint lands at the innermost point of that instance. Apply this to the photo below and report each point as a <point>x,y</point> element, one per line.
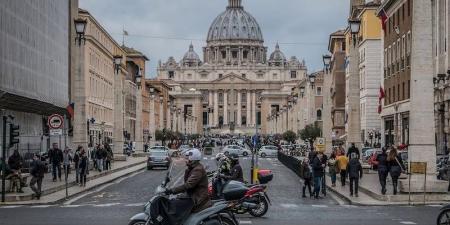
<point>395,165</point>
<point>67,159</point>
<point>37,175</point>
<point>307,177</point>
<point>76,162</point>
<point>318,172</point>
<point>381,161</point>
<point>323,186</point>
<point>332,169</point>
<point>15,165</point>
<point>355,172</point>
<point>109,156</point>
<point>351,150</point>
<point>342,162</point>
<point>99,157</point>
<point>55,156</point>
<point>83,167</point>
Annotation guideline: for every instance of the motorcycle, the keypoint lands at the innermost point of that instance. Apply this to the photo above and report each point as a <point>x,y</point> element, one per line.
<point>218,214</point>
<point>252,199</point>
<point>444,216</point>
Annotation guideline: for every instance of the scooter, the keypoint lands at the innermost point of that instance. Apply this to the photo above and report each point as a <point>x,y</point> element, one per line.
<point>218,214</point>
<point>252,199</point>
<point>444,216</point>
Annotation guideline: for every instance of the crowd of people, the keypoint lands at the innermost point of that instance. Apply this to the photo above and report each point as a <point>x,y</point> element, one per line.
<point>348,166</point>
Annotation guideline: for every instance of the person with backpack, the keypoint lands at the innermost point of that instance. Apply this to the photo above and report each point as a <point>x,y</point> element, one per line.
<point>109,157</point>
<point>382,164</point>
<point>84,168</point>
<point>395,165</point>
<point>307,177</point>
<point>37,175</point>
<point>76,162</point>
<point>355,172</point>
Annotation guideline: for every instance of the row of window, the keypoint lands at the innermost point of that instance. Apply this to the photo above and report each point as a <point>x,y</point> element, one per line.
<point>399,93</point>
<point>394,20</point>
<point>171,75</point>
<point>101,90</point>
<point>101,114</point>
<point>397,55</point>
<point>100,64</point>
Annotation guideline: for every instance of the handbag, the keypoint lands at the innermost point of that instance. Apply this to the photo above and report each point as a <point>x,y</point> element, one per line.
<point>401,166</point>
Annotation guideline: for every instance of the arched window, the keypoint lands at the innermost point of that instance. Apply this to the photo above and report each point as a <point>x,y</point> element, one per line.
<point>319,114</point>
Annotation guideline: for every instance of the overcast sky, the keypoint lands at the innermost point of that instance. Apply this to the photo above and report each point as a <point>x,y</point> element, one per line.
<point>307,23</point>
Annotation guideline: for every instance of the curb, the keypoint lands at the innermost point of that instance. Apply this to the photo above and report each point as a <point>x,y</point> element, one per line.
<point>71,195</point>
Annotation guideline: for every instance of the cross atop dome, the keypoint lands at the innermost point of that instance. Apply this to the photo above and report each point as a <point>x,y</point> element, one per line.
<point>234,3</point>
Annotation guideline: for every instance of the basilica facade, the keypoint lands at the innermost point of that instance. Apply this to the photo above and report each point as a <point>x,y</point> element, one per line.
<point>236,85</point>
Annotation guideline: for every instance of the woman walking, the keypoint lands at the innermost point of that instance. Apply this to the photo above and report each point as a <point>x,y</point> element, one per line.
<point>332,169</point>
<point>307,177</point>
<point>395,165</point>
<point>383,170</point>
<point>84,168</point>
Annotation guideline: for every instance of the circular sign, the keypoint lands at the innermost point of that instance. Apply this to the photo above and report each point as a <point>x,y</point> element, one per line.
<point>55,121</point>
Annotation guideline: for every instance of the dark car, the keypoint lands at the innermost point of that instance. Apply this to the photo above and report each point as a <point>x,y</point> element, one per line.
<point>158,159</point>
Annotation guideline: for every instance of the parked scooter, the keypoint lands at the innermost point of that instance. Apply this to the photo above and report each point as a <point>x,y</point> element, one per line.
<point>254,199</point>
<point>444,216</point>
<point>218,214</point>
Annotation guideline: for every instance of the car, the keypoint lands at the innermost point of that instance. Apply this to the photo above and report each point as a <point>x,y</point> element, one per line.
<point>372,159</point>
<point>183,149</point>
<point>158,159</point>
<point>268,151</point>
<point>229,149</point>
<point>172,152</point>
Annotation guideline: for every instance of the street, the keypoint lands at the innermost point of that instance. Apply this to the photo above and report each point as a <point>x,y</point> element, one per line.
<point>115,203</point>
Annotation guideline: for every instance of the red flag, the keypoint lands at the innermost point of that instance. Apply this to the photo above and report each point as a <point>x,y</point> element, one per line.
<point>383,17</point>
<point>70,109</point>
<point>381,96</point>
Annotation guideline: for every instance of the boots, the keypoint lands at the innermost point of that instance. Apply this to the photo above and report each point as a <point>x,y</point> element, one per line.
<point>395,189</point>
<point>304,192</point>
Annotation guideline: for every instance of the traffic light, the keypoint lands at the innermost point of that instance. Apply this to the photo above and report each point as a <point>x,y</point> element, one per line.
<point>13,135</point>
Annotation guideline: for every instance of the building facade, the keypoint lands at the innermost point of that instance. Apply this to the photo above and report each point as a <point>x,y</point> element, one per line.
<point>35,67</point>
<point>236,84</point>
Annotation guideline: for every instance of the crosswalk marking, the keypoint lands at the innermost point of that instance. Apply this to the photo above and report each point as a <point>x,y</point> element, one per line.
<point>41,206</point>
<point>320,206</point>
<point>407,222</point>
<point>436,206</point>
<point>106,205</point>
<point>245,222</point>
<point>135,204</point>
<point>11,206</point>
<point>289,206</point>
<point>70,206</point>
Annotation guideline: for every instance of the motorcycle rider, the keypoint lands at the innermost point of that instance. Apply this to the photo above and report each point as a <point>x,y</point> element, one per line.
<point>195,182</point>
<point>223,167</point>
<point>236,170</point>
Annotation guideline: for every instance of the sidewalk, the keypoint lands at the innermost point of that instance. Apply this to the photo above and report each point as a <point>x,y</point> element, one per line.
<point>53,192</point>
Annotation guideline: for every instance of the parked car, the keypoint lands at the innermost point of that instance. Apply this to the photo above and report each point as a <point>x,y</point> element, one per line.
<point>172,152</point>
<point>158,159</point>
<point>367,153</point>
<point>268,151</point>
<point>229,149</point>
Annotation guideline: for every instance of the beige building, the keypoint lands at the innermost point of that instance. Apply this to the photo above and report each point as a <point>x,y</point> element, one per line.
<point>237,83</point>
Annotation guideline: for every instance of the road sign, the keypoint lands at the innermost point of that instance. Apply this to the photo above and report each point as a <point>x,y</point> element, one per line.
<point>56,132</point>
<point>55,121</point>
<point>320,144</point>
<point>320,141</point>
<point>418,167</point>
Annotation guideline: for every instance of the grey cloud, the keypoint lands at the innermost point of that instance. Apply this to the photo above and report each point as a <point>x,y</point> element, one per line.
<point>286,21</point>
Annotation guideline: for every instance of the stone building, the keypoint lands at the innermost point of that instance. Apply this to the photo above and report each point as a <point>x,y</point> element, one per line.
<point>236,84</point>
<point>35,67</point>
<point>337,48</point>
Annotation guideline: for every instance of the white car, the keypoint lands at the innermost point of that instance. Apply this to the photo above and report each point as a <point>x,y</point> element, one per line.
<point>229,149</point>
<point>268,151</point>
<point>172,152</point>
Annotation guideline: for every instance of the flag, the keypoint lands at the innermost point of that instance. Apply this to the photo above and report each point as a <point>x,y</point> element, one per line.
<point>381,96</point>
<point>70,109</point>
<point>125,32</point>
<point>383,17</point>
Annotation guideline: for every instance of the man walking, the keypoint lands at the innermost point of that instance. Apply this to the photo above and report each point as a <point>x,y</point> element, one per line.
<point>55,156</point>
<point>353,150</point>
<point>355,172</point>
<point>318,172</point>
<point>99,157</point>
<point>76,162</point>
<point>342,162</point>
<point>37,172</point>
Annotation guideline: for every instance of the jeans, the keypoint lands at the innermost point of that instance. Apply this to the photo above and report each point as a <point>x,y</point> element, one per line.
<point>343,177</point>
<point>56,167</point>
<point>324,185</point>
<point>100,165</point>
<point>307,184</point>
<point>317,184</point>
<point>382,175</point>
<point>395,183</point>
<point>355,182</point>
<point>77,173</point>
<point>36,181</point>
<point>108,165</point>
<point>66,171</point>
<point>333,178</point>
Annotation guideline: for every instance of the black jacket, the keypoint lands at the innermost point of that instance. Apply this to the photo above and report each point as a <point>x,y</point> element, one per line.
<point>382,163</point>
<point>55,155</point>
<point>37,169</point>
<point>395,166</point>
<point>317,167</point>
<point>236,174</point>
<point>354,169</point>
<point>306,171</point>
<point>15,162</point>
<point>353,150</point>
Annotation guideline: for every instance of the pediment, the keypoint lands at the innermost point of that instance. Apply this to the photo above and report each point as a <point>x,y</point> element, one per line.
<point>232,78</point>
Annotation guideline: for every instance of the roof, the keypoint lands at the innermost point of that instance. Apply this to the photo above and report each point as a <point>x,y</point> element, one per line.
<point>333,36</point>
<point>131,52</point>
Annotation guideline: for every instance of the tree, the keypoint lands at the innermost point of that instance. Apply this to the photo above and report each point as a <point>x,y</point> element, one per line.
<point>310,134</point>
<point>159,136</point>
<point>289,136</point>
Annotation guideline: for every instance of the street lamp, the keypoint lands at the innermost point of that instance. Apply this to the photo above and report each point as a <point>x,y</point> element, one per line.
<point>327,62</point>
<point>302,91</point>
<point>80,29</point>
<point>355,26</point>
<point>139,78</point>
<point>312,79</point>
<point>117,63</point>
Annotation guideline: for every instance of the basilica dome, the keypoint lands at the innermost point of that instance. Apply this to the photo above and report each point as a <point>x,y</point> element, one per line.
<point>191,57</point>
<point>235,24</point>
<point>277,55</point>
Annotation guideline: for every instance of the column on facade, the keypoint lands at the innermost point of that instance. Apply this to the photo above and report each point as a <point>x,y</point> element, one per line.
<point>80,136</point>
<point>240,55</point>
<point>239,109</point>
<point>168,117</point>
<point>138,127</point>
<point>251,57</point>
<point>216,109</point>
<point>228,52</point>
<point>249,109</point>
<point>225,108</point>
<point>151,120</point>
<point>161,113</point>
<point>210,106</point>
<point>254,112</point>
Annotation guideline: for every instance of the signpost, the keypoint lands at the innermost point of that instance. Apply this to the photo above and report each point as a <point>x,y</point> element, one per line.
<point>58,128</point>
<point>320,144</point>
<point>418,168</point>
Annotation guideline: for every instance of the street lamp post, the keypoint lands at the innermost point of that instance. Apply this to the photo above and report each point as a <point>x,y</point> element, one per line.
<point>118,108</point>
<point>139,135</point>
<point>355,26</point>
<point>327,62</point>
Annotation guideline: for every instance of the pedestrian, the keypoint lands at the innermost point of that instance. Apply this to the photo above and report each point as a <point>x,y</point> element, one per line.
<point>99,158</point>
<point>76,163</point>
<point>323,187</point>
<point>94,156</point>
<point>355,172</point>
<point>15,165</point>
<point>332,169</point>
<point>318,172</point>
<point>104,157</point>
<point>342,162</point>
<point>351,150</point>
<point>37,175</point>
<point>55,156</point>
<point>67,159</point>
<point>307,177</point>
<point>109,156</point>
<point>395,165</point>
<point>84,168</point>
<point>382,164</point>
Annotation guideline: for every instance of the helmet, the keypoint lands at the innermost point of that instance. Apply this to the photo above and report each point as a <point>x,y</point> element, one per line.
<point>193,155</point>
<point>234,156</point>
<point>219,156</point>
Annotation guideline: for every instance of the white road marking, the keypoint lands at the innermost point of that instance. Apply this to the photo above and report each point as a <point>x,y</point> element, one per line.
<point>437,206</point>
<point>135,204</point>
<point>10,207</point>
<point>71,206</point>
<point>42,206</point>
<point>245,222</point>
<point>349,206</point>
<point>407,222</point>
<point>205,158</point>
<point>289,206</point>
<point>320,206</point>
<point>106,205</point>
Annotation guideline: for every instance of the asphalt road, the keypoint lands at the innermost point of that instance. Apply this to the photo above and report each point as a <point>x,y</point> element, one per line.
<point>116,202</point>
